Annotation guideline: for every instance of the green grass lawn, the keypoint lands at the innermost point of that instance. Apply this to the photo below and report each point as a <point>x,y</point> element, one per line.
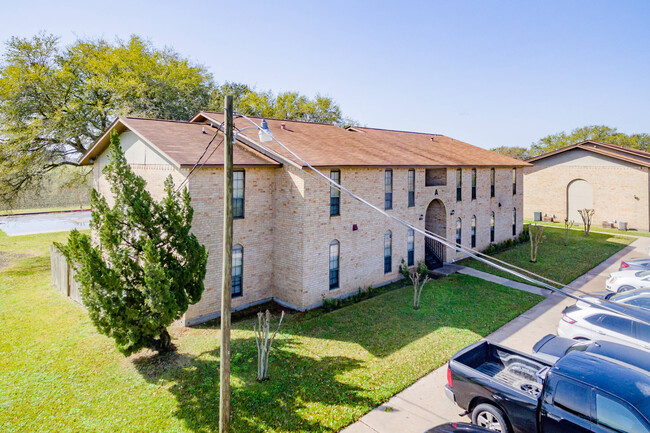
<point>58,374</point>
<point>593,228</point>
<point>555,260</point>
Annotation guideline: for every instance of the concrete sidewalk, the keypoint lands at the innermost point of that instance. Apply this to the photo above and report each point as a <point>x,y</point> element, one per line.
<point>423,405</point>
<point>504,281</point>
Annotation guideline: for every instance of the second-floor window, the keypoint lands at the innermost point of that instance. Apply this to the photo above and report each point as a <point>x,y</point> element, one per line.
<point>473,228</point>
<point>388,252</point>
<point>388,189</point>
<point>492,227</point>
<point>473,184</point>
<point>411,188</point>
<point>492,181</point>
<point>335,194</point>
<point>514,181</point>
<point>410,248</point>
<point>459,184</point>
<point>238,181</point>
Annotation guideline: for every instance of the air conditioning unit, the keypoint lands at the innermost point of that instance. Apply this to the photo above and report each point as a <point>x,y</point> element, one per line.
<point>537,216</point>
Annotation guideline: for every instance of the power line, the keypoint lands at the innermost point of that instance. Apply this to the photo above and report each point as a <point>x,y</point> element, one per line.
<point>470,252</point>
<point>187,178</point>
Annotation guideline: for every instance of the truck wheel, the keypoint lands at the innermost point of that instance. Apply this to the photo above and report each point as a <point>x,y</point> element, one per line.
<point>492,418</point>
<point>625,289</point>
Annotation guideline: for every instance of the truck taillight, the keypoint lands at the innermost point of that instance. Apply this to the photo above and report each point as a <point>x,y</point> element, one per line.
<point>567,319</point>
<point>450,381</point>
<point>624,265</point>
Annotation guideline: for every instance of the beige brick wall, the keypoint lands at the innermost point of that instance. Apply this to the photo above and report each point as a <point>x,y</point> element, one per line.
<point>289,212</point>
<point>361,251</point>
<point>254,233</point>
<point>620,192</point>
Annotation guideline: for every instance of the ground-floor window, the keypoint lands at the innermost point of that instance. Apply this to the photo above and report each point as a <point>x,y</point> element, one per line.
<point>459,227</point>
<point>388,252</point>
<point>237,270</point>
<point>514,222</point>
<point>410,247</point>
<point>473,231</point>
<point>492,227</point>
<point>334,264</point>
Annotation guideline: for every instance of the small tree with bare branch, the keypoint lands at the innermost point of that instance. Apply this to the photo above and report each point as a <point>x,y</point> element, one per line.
<point>536,237</point>
<point>567,226</point>
<point>264,342</point>
<point>586,215</point>
<point>419,276</point>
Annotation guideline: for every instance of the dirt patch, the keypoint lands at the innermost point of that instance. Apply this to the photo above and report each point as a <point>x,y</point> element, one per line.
<point>7,259</point>
<point>154,366</point>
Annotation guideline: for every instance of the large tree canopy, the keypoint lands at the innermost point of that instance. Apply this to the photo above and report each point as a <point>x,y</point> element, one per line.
<point>284,105</point>
<point>601,133</point>
<point>55,101</point>
<point>516,152</point>
<point>594,132</point>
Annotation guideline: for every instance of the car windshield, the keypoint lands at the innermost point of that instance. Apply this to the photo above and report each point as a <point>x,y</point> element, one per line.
<point>620,297</point>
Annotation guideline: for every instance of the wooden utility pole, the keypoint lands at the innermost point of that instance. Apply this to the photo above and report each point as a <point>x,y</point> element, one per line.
<point>226,284</point>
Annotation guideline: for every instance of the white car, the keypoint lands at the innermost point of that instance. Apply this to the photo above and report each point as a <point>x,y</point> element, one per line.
<point>594,323</point>
<point>623,281</point>
<point>637,298</point>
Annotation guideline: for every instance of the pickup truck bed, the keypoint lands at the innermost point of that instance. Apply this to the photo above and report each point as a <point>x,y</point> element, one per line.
<point>506,366</point>
<point>489,372</point>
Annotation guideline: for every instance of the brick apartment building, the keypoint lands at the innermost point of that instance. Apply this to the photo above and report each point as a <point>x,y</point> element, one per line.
<point>295,239</point>
<point>613,180</point>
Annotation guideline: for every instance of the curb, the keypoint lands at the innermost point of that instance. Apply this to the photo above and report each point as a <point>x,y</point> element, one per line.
<point>45,212</point>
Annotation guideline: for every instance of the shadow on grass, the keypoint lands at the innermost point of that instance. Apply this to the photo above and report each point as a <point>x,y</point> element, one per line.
<point>27,266</point>
<point>309,366</point>
<point>296,382</point>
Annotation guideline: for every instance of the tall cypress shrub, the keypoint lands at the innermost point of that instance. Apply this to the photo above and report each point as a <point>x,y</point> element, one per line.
<point>143,266</point>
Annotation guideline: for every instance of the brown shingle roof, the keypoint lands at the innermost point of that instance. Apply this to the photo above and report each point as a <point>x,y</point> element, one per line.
<point>182,142</point>
<point>622,153</point>
<point>329,145</point>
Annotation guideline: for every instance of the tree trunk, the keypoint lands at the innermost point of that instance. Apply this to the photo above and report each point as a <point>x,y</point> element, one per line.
<point>164,342</point>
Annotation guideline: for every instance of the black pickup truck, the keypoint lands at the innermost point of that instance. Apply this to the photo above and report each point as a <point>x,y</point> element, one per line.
<point>584,391</point>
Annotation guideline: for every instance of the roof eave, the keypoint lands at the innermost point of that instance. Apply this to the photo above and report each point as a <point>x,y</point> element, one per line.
<point>104,140</point>
<point>92,152</point>
<point>584,145</point>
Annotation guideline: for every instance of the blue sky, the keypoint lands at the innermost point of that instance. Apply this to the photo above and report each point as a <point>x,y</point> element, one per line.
<point>486,72</point>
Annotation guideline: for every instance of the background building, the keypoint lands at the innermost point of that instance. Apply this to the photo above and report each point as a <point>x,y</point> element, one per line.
<point>611,179</point>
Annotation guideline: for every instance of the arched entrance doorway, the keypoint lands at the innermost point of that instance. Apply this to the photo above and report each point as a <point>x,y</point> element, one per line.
<point>436,222</point>
<point>579,195</point>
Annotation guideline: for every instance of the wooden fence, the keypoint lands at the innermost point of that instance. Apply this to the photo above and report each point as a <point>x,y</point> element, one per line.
<point>63,275</point>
